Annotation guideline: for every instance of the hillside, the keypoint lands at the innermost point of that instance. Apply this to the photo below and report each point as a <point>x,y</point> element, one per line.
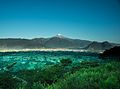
<point>58,41</point>
<point>99,46</point>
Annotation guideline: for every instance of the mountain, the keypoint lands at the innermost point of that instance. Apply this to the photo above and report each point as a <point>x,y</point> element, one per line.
<point>11,43</point>
<point>99,46</point>
<point>59,41</point>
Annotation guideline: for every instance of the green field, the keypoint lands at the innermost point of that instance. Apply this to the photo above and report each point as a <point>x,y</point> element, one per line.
<point>57,70</point>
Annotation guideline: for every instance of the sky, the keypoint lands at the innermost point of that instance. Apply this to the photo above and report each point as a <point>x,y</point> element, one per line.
<point>95,20</point>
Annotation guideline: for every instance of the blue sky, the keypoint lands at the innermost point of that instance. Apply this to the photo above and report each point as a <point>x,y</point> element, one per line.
<point>95,20</point>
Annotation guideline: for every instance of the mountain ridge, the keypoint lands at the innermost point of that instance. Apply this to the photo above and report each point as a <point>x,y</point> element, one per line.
<point>99,46</point>
<point>58,41</point>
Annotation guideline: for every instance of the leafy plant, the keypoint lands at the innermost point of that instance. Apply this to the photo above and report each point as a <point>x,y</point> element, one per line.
<point>92,78</point>
<point>66,62</point>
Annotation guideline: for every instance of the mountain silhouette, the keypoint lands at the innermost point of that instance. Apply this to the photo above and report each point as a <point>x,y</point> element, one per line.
<point>99,46</point>
<point>58,41</point>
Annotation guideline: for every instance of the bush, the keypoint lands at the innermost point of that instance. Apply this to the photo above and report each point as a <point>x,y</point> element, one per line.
<point>92,78</point>
<point>66,62</point>
<point>8,82</point>
<point>37,85</point>
<point>111,54</point>
<point>84,76</point>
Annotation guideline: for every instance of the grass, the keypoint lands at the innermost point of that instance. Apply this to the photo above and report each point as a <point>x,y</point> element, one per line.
<point>87,75</point>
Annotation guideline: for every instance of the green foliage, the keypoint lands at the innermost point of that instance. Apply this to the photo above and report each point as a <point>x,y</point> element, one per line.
<point>89,64</point>
<point>37,85</point>
<point>102,77</point>
<point>29,76</point>
<point>46,76</point>
<point>112,54</point>
<point>7,81</point>
<point>86,75</point>
<point>112,82</point>
<point>49,75</point>
<point>66,62</point>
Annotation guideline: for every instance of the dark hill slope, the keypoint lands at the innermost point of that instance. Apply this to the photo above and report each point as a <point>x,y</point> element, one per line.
<point>99,46</point>
<point>18,44</point>
<point>62,42</point>
<point>113,53</point>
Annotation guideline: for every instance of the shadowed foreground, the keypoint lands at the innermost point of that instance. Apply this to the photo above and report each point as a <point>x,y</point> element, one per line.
<point>86,75</point>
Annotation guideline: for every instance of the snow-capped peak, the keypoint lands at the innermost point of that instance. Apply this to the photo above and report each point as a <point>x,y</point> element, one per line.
<point>59,35</point>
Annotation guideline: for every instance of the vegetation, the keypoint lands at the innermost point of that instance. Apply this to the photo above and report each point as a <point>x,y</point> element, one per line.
<point>66,62</point>
<point>105,76</point>
<point>7,81</point>
<point>111,54</point>
<point>90,75</point>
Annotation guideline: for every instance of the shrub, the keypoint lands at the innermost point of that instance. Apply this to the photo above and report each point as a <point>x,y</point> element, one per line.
<point>8,82</point>
<point>92,78</point>
<point>111,54</point>
<point>66,62</point>
<point>37,85</point>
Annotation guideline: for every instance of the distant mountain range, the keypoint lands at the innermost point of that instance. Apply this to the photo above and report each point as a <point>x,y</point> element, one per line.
<point>60,41</point>
<point>99,46</point>
<point>57,41</point>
